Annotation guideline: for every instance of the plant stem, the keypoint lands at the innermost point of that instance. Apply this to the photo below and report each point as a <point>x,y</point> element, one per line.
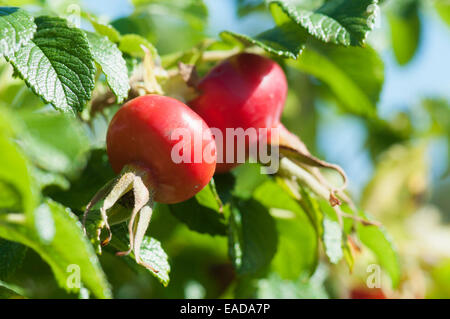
<point>287,166</point>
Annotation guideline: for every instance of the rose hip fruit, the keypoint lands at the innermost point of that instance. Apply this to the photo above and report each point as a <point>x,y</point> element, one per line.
<point>140,135</point>
<point>244,91</point>
<point>141,140</point>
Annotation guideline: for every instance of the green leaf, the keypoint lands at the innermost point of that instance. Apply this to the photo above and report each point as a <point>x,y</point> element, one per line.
<point>54,142</point>
<point>195,12</point>
<point>8,291</point>
<point>57,64</point>
<point>17,191</point>
<point>380,243</point>
<point>344,22</point>
<point>249,6</point>
<point>253,237</point>
<point>311,206</point>
<point>109,57</point>
<point>11,257</point>
<point>16,3</point>
<point>55,234</point>
<point>103,28</point>
<point>327,228</point>
<point>202,213</point>
<point>297,252</point>
<point>274,287</point>
<point>285,40</point>
<point>440,280</point>
<point>95,175</point>
<point>443,8</point>
<point>170,25</point>
<point>355,75</point>
<point>132,45</point>
<point>248,178</point>
<point>332,240</point>
<point>405,29</point>
<point>151,253</point>
<point>16,29</point>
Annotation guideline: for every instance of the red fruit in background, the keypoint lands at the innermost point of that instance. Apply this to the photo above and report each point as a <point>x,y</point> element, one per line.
<point>366,293</point>
<point>244,91</point>
<point>140,134</point>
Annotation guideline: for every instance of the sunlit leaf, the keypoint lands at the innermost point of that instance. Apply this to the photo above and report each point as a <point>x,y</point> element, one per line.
<point>285,40</point>
<point>16,29</point>
<point>57,64</point>
<point>110,59</point>
<point>56,235</point>
<point>345,22</point>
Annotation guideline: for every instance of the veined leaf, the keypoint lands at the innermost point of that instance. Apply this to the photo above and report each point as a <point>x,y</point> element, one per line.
<point>109,57</point>
<point>285,40</point>
<point>151,253</point>
<point>16,29</point>
<point>344,22</point>
<point>253,238</point>
<point>56,235</point>
<point>57,64</point>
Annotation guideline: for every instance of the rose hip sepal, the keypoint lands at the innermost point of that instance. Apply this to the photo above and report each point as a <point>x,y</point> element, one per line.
<point>141,140</point>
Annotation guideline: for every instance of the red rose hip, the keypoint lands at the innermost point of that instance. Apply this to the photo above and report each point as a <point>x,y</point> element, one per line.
<point>244,91</point>
<point>163,151</point>
<point>140,134</point>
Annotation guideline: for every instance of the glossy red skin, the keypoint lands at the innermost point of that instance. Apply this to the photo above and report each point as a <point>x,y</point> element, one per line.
<point>140,135</point>
<point>246,90</point>
<point>366,293</point>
